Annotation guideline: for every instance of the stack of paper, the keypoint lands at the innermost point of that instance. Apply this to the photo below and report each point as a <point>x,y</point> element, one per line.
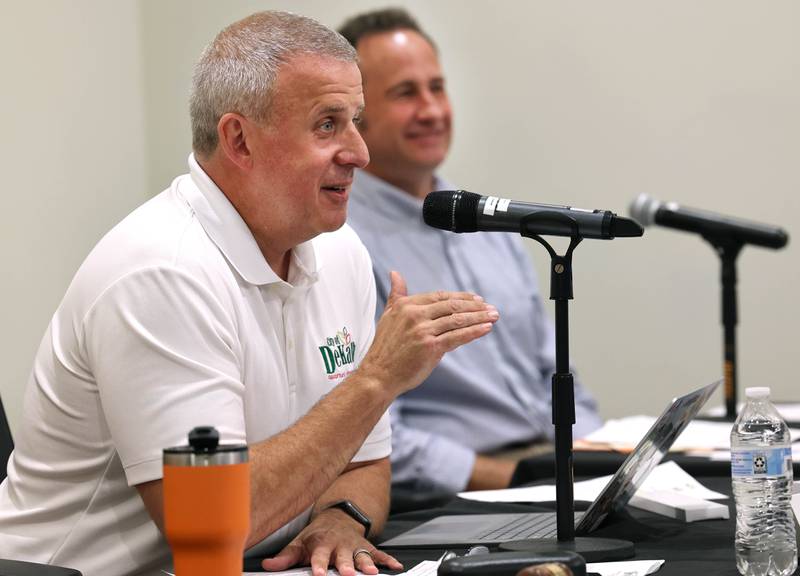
<point>789,410</point>
<point>429,568</point>
<point>624,433</point>
<point>426,568</point>
<point>666,476</point>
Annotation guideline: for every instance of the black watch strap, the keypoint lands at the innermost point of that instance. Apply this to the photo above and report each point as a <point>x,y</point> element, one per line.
<point>354,512</point>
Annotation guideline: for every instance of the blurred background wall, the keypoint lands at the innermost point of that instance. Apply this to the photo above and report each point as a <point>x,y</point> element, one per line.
<point>580,103</point>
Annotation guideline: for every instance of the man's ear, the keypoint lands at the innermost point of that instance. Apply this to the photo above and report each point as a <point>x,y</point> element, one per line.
<point>233,130</point>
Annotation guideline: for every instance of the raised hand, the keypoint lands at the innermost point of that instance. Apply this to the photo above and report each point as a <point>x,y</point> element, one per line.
<point>416,331</point>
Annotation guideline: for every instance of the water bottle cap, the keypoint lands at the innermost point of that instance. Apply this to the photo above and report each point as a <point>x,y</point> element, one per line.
<point>757,392</point>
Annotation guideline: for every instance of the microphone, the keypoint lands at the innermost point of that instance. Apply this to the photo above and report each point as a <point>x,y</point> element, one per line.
<point>462,211</point>
<point>711,226</point>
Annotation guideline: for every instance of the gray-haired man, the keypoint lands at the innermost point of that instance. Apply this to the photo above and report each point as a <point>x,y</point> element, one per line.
<point>235,298</point>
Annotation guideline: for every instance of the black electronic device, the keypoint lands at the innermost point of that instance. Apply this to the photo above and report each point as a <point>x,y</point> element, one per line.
<point>492,529</point>
<point>462,211</point>
<point>509,563</point>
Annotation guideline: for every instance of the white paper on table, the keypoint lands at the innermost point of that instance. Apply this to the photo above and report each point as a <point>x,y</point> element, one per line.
<point>725,455</point>
<point>429,568</point>
<point>666,476</point>
<point>789,410</point>
<point>625,433</point>
<point>295,572</point>
<point>306,571</point>
<point>634,568</point>
<point>424,568</point>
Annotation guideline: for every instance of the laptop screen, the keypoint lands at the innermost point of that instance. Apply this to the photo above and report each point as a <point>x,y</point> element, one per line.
<point>646,456</point>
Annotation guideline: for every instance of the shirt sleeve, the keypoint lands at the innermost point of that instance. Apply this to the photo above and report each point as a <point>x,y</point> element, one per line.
<point>165,357</point>
<point>427,462</point>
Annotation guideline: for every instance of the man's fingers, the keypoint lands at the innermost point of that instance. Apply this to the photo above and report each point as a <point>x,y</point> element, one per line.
<point>443,296</point>
<point>455,338</point>
<point>320,558</point>
<point>364,562</point>
<point>453,306</point>
<point>346,563</point>
<point>289,556</point>
<point>385,559</point>
<point>460,320</point>
<point>398,289</point>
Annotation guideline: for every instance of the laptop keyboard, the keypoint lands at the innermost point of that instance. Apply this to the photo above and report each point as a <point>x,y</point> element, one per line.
<point>526,526</point>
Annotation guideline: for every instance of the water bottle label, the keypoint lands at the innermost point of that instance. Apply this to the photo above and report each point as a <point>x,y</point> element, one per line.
<point>761,462</point>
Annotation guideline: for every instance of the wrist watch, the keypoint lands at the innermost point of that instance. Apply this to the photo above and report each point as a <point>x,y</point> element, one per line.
<point>354,512</point>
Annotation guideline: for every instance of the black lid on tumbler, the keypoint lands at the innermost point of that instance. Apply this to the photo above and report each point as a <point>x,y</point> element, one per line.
<point>204,449</point>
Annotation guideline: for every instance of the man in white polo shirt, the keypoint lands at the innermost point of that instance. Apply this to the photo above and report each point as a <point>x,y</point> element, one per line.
<point>235,298</point>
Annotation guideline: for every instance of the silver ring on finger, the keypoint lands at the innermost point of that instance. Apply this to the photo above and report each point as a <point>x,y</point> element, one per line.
<point>362,551</point>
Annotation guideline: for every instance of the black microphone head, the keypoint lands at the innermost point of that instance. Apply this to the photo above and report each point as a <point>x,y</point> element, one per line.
<point>456,211</point>
<point>625,228</point>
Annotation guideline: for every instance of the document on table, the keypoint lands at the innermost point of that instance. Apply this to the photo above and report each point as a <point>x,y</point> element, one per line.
<point>429,568</point>
<point>297,572</point>
<point>425,568</point>
<point>633,568</point>
<point>725,455</point>
<point>624,433</point>
<point>789,410</point>
<point>666,476</point>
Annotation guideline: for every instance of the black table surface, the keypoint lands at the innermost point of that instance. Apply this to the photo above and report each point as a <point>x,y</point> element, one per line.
<point>702,548</point>
<point>541,468</point>
<point>601,463</point>
<point>696,548</point>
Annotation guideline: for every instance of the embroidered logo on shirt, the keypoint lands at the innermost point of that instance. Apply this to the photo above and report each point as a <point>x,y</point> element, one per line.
<point>338,352</point>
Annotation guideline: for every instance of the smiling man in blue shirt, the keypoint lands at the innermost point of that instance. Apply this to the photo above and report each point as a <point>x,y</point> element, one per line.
<point>491,398</point>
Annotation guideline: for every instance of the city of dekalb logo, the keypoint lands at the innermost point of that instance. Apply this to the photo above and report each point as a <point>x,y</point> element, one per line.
<point>338,352</point>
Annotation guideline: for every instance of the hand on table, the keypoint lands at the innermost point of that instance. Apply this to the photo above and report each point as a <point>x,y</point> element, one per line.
<point>332,540</point>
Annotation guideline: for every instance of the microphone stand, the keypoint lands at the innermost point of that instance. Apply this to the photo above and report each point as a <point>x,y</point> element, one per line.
<point>563,414</point>
<point>728,250</point>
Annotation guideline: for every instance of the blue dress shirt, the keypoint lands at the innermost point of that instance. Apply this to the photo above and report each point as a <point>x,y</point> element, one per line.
<point>489,394</point>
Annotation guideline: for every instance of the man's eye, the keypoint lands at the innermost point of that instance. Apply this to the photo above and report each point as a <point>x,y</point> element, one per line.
<point>327,126</point>
<point>357,120</point>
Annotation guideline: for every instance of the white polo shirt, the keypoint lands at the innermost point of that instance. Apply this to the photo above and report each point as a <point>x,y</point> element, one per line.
<point>174,320</point>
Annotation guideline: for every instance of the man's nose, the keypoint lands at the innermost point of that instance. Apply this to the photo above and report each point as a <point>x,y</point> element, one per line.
<point>432,106</point>
<point>354,151</point>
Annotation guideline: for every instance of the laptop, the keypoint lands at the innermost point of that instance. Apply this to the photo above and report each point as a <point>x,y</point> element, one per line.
<point>489,529</point>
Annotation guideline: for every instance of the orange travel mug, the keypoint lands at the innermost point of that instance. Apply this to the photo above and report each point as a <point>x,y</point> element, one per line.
<point>206,504</point>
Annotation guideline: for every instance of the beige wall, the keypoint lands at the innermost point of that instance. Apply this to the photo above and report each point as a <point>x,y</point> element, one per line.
<point>582,103</point>
<point>72,156</point>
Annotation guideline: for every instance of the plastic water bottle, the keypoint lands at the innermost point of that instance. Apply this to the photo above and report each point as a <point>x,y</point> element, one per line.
<point>761,467</point>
